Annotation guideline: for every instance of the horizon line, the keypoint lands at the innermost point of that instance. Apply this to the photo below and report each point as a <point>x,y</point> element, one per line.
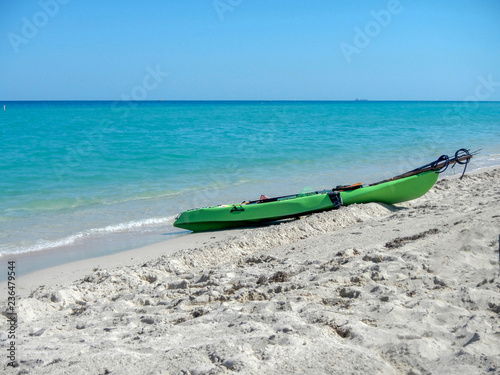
<point>246,100</point>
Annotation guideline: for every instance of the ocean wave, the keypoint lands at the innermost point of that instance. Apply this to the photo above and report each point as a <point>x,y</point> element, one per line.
<point>64,203</point>
<point>86,234</point>
<point>146,195</point>
<point>55,204</point>
<point>73,203</point>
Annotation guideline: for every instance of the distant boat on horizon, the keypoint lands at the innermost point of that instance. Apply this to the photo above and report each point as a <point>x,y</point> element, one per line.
<point>360,100</point>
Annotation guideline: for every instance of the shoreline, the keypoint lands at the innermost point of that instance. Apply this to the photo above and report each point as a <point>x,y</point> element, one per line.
<point>410,288</point>
<point>93,239</point>
<point>37,261</point>
<point>71,271</point>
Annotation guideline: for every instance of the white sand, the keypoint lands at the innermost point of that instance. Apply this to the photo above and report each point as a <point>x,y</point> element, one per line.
<point>367,289</point>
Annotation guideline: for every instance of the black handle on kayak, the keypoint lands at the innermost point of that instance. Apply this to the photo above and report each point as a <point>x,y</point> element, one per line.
<point>237,209</point>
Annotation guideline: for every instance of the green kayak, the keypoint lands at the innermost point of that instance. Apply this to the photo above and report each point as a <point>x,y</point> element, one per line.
<point>401,188</point>
<point>251,213</point>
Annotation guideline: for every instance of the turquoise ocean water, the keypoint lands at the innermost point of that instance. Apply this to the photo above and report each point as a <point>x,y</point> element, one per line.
<point>90,178</point>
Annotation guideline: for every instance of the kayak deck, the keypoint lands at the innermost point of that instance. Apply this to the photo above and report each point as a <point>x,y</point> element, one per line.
<point>220,217</point>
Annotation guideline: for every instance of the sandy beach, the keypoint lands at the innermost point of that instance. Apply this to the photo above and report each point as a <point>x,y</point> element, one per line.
<point>367,289</point>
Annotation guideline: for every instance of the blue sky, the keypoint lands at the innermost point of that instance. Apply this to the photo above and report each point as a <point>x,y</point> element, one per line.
<point>249,50</point>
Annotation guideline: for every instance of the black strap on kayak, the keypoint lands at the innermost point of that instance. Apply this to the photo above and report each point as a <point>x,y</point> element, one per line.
<point>336,199</point>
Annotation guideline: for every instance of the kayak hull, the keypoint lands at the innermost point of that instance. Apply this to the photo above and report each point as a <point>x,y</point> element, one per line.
<point>236,215</point>
<point>228,216</point>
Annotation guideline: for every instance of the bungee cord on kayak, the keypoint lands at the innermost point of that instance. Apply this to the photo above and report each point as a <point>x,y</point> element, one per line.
<point>462,156</point>
<point>458,159</point>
